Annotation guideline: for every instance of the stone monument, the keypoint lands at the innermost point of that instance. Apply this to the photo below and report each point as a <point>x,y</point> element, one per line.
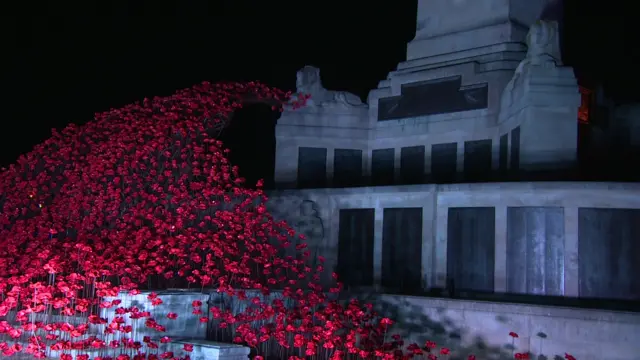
<point>471,69</point>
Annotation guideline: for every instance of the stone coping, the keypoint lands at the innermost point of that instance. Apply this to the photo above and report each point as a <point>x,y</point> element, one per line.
<point>477,305</point>
<point>521,309</point>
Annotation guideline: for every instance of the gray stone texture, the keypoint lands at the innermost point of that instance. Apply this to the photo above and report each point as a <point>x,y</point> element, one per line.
<point>609,253</point>
<point>535,250</point>
<point>471,249</point>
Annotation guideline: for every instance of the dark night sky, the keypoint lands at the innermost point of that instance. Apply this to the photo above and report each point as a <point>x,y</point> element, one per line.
<point>69,63</point>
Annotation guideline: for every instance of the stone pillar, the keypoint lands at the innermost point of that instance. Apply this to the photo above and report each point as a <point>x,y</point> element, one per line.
<point>377,247</point>
<point>330,157</point>
<point>500,271</point>
<point>549,129</point>
<point>286,163</point>
<point>441,223</point>
<point>428,242</point>
<point>542,98</point>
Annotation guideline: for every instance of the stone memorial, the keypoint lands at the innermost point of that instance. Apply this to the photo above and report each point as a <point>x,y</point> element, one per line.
<point>482,103</point>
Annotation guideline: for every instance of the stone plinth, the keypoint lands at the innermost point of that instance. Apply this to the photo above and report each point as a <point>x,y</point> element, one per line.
<point>456,26</point>
<point>210,350</point>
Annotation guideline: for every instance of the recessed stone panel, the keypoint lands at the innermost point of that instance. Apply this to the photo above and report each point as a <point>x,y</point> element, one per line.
<point>347,168</point>
<point>444,158</point>
<point>402,250</point>
<point>535,250</point>
<point>355,247</point>
<point>514,159</point>
<point>412,165</point>
<point>312,167</point>
<point>609,253</point>
<point>383,167</point>
<point>433,97</point>
<point>503,165</point>
<point>471,249</point>
<point>477,160</point>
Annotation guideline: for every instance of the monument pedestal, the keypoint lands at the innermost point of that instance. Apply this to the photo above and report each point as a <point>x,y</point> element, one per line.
<point>546,107</point>
<point>463,54</point>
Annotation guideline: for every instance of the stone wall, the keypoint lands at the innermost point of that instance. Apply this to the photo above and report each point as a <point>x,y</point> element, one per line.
<point>467,327</point>
<point>543,234</point>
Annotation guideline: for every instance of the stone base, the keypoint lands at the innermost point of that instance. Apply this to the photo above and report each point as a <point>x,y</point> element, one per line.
<point>210,350</point>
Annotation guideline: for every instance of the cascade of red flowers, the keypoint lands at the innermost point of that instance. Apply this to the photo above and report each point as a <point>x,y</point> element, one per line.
<point>147,191</point>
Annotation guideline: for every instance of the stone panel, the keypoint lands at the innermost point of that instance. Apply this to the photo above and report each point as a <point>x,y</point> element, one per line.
<point>503,165</point>
<point>402,250</point>
<point>444,158</point>
<point>514,159</point>
<point>382,167</point>
<point>347,168</point>
<point>355,247</point>
<point>412,165</point>
<point>535,250</point>
<point>609,253</point>
<point>433,97</point>
<point>470,249</point>
<point>477,160</point>
<point>312,167</point>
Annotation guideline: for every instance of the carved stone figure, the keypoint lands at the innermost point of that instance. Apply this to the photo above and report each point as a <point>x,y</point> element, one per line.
<point>308,82</point>
<point>543,49</point>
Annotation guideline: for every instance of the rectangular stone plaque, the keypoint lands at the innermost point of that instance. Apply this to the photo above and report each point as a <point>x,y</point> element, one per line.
<point>355,247</point>
<point>477,160</point>
<point>439,96</point>
<point>471,249</point>
<point>312,167</point>
<point>383,167</point>
<point>347,168</point>
<point>504,156</point>
<point>514,160</point>
<point>412,165</point>
<point>444,158</point>
<point>402,250</point>
<point>535,250</point>
<point>609,253</point>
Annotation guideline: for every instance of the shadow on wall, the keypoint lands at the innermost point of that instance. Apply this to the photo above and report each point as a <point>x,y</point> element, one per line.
<point>414,325</point>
